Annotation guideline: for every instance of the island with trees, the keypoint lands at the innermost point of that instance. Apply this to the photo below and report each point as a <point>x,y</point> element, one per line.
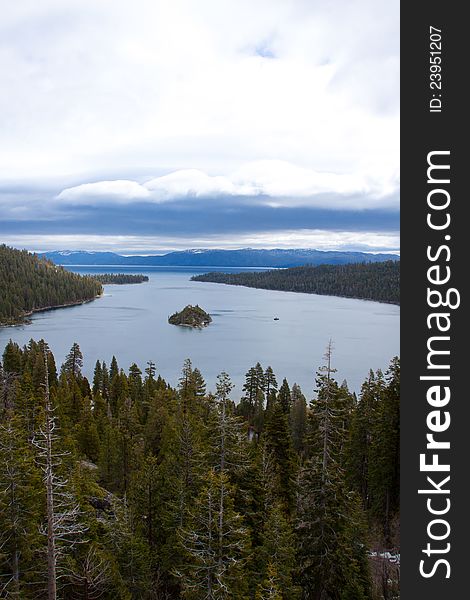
<point>378,281</point>
<point>30,284</point>
<point>119,278</point>
<point>191,316</point>
<point>124,486</point>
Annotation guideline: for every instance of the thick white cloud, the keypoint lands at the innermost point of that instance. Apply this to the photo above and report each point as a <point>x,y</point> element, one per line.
<point>273,182</point>
<point>193,182</point>
<point>118,190</point>
<point>142,88</point>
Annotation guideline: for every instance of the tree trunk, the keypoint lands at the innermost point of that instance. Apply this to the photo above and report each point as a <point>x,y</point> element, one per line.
<point>51,550</point>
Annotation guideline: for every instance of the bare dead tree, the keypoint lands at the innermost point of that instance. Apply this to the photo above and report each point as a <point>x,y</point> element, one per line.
<point>325,422</point>
<point>63,528</point>
<point>91,577</point>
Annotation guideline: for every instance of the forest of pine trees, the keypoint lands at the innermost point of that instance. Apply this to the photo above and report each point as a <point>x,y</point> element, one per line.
<point>29,283</point>
<point>124,487</point>
<point>119,278</point>
<point>368,281</point>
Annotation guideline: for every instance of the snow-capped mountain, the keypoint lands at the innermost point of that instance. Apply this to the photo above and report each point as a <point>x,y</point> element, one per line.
<point>245,257</point>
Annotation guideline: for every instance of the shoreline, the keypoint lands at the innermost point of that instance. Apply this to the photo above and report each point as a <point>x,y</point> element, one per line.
<point>23,319</point>
<point>297,292</point>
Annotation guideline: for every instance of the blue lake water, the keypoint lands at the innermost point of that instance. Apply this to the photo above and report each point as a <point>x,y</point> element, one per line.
<point>130,321</point>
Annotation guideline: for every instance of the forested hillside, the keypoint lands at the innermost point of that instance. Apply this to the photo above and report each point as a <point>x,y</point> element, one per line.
<point>128,488</point>
<point>119,278</point>
<point>29,283</point>
<point>368,281</point>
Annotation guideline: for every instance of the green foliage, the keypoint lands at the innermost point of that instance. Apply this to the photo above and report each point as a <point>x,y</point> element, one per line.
<point>278,445</point>
<point>190,316</point>
<point>216,544</point>
<point>328,518</point>
<point>278,557</point>
<point>119,278</point>
<point>29,283</point>
<point>369,281</point>
<point>298,419</point>
<point>185,494</point>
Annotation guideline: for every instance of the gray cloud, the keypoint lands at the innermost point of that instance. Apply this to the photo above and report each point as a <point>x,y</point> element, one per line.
<point>124,116</point>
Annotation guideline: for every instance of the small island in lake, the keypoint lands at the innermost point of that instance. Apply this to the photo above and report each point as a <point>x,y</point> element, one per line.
<point>191,316</point>
<point>119,278</point>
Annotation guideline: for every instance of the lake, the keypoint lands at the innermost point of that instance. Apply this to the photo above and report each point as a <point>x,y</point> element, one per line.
<point>131,322</point>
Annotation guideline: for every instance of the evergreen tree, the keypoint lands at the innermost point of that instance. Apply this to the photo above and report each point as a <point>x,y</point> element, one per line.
<point>226,435</point>
<point>384,472</point>
<point>20,503</point>
<point>284,397</point>
<point>114,369</point>
<point>360,437</point>
<point>216,543</point>
<point>88,440</point>
<point>150,370</point>
<point>298,420</point>
<point>269,589</point>
<point>325,510</point>
<point>73,362</point>
<point>270,387</point>
<point>278,444</point>
<point>97,379</point>
<point>192,496</point>
<point>198,384</point>
<point>278,555</point>
<point>252,402</point>
<point>130,550</point>
<point>105,382</point>
<point>12,358</point>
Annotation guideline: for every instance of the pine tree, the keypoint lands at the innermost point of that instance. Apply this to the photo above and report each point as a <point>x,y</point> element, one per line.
<point>88,439</point>
<point>270,387</point>
<point>269,588</point>
<point>358,459</point>
<point>150,370</point>
<point>384,473</point>
<point>216,544</point>
<point>97,379</point>
<point>183,464</point>
<point>325,511</point>
<point>20,503</point>
<point>252,403</point>
<point>284,397</point>
<point>145,498</point>
<point>12,358</point>
<point>298,420</point>
<point>186,380</point>
<point>106,382</point>
<point>73,362</point>
<point>278,444</point>
<point>198,383</point>
<point>278,554</point>
<point>226,431</point>
<point>114,369</point>
<point>129,549</point>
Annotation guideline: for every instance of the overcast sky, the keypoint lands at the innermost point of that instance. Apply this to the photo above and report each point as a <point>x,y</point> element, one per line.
<point>140,125</point>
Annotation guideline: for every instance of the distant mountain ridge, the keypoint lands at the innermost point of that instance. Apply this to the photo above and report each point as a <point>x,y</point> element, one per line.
<point>246,257</point>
